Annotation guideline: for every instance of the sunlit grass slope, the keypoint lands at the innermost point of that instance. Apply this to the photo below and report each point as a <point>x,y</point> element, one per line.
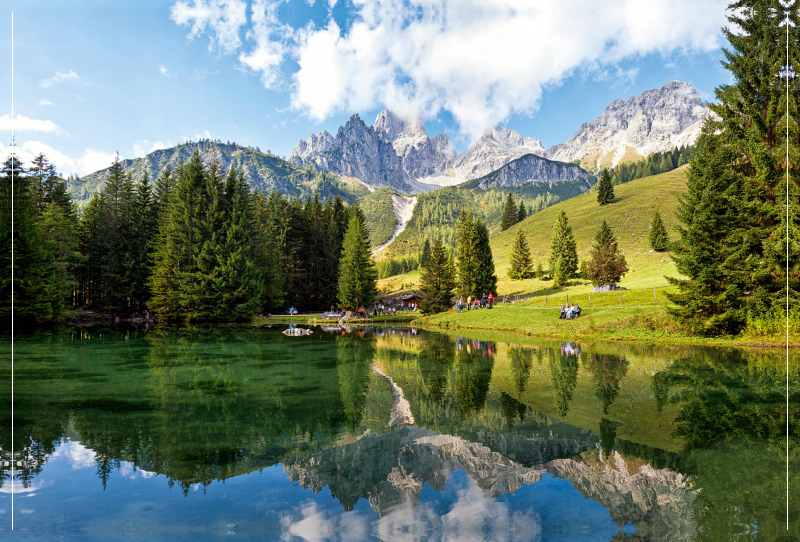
<point>629,216</point>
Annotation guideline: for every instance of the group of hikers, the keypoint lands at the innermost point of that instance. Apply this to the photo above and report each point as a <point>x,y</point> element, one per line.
<point>570,311</point>
<point>485,302</point>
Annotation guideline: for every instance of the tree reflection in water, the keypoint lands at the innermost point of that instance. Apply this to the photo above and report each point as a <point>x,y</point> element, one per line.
<point>199,409</point>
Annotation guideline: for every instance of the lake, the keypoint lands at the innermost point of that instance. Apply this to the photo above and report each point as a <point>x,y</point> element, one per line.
<point>393,434</point>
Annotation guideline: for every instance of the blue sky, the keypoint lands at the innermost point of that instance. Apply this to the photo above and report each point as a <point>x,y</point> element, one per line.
<point>93,78</point>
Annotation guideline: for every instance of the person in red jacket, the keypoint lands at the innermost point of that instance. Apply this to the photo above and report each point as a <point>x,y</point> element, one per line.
<point>491,299</point>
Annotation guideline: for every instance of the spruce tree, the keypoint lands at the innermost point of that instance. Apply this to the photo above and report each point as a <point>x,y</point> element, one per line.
<point>38,286</point>
<point>522,214</point>
<point>658,234</point>
<point>357,273</point>
<point>734,218</point>
<point>426,253</point>
<point>510,213</point>
<point>437,280</point>
<point>604,237</point>
<point>466,254</point>
<point>521,265</point>
<point>539,271</point>
<point>563,251</point>
<point>485,277</point>
<point>605,189</point>
<point>606,265</point>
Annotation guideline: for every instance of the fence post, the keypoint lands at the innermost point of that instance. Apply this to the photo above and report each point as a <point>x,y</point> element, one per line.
<point>590,299</point>
<point>654,294</point>
<point>620,297</point>
<point>567,299</point>
<point>545,300</point>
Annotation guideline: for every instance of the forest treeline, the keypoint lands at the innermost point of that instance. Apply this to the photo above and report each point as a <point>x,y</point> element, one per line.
<point>195,245</point>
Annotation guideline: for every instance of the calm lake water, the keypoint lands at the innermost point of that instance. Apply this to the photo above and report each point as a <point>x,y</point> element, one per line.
<point>393,434</point>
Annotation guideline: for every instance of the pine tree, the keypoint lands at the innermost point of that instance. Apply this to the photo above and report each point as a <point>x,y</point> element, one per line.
<point>734,217</point>
<point>466,254</point>
<point>563,251</point>
<point>426,253</point>
<point>658,234</point>
<point>605,190</point>
<point>38,286</point>
<point>357,273</point>
<point>539,271</point>
<point>437,280</point>
<point>521,265</point>
<point>522,214</point>
<point>606,265</point>
<point>485,277</point>
<point>510,214</point>
<point>604,237</point>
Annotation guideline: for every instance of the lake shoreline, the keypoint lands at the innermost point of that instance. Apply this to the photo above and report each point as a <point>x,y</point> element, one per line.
<point>630,324</point>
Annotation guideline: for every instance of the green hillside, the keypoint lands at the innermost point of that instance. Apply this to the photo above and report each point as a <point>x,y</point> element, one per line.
<point>264,171</point>
<point>377,207</point>
<point>629,216</point>
<point>437,212</point>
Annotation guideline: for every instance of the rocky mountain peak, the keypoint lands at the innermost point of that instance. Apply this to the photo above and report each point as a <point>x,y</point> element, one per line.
<point>392,127</point>
<point>656,120</point>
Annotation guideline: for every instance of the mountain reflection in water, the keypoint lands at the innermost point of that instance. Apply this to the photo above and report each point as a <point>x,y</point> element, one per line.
<point>416,435</point>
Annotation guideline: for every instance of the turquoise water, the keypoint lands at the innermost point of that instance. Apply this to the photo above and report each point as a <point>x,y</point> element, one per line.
<point>392,434</point>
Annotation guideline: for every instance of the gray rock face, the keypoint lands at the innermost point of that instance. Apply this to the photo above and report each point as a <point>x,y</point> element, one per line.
<point>655,121</point>
<point>536,170</point>
<point>394,152</point>
<point>493,150</point>
<point>397,152</point>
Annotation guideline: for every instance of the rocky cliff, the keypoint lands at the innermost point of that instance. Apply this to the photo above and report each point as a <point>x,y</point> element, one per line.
<point>654,121</point>
<point>535,170</point>
<point>397,152</point>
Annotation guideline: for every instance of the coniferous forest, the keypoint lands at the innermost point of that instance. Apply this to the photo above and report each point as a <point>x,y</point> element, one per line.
<point>193,245</point>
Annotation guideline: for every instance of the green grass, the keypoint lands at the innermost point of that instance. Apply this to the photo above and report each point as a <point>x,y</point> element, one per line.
<point>629,216</point>
<point>377,208</point>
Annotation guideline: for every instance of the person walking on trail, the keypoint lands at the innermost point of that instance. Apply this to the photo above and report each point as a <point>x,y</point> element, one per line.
<point>469,302</point>
<point>491,299</point>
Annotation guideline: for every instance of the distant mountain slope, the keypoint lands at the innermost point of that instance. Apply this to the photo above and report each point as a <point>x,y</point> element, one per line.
<point>532,169</point>
<point>654,121</point>
<point>264,172</point>
<point>377,208</point>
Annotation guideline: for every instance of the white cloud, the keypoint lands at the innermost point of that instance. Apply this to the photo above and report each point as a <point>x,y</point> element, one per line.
<point>24,124</point>
<point>42,103</point>
<point>141,144</point>
<point>204,135</point>
<point>90,161</point>
<point>16,487</point>
<point>79,456</point>
<point>480,61</point>
<point>58,78</point>
<point>163,70</point>
<point>224,17</point>
<point>268,53</point>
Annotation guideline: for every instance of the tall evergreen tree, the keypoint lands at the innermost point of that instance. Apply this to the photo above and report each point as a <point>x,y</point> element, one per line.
<point>357,273</point>
<point>563,251</point>
<point>606,265</point>
<point>437,280</point>
<point>734,220</point>
<point>485,277</point>
<point>522,214</point>
<point>426,253</point>
<point>521,264</point>
<point>659,239</point>
<point>510,213</point>
<point>467,261</point>
<point>605,189</point>
<point>38,286</point>
<point>604,237</point>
